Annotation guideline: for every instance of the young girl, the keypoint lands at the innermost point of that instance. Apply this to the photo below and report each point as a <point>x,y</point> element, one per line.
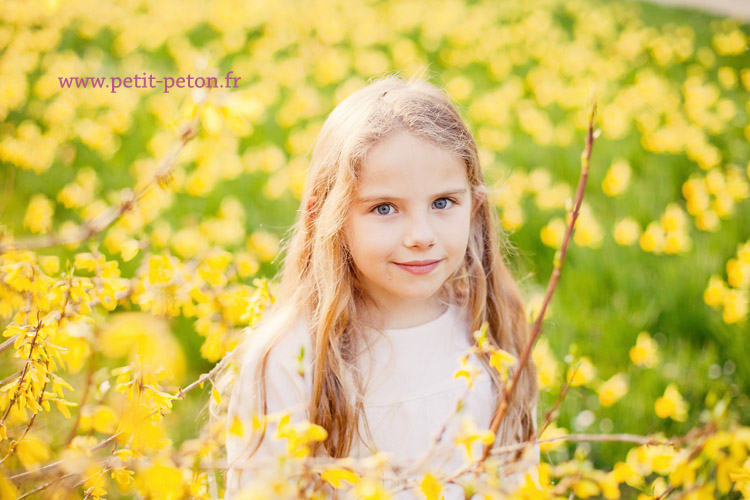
<point>392,264</point>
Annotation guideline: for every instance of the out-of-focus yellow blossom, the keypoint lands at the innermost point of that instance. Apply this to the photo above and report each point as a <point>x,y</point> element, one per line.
<point>534,307</point>
<point>299,435</point>
<point>671,405</point>
<point>50,264</point>
<point>707,221</point>
<point>741,477</point>
<point>738,273</point>
<point>737,186</point>
<point>727,77</point>
<point>547,365</point>
<point>187,242</point>
<point>617,178</point>
<point>471,438</point>
<point>612,390</point>
<point>38,217</point>
<point>81,191</point>
<point>160,480</point>
<point>246,264</point>
<point>553,233</point>
<point>587,232</point>
<point>263,244</point>
<point>145,340</point>
<point>673,218</point>
<point>652,239</point>
<point>334,477</point>
<point>551,432</point>
<point>459,87</point>
<point>32,449</point>
<point>554,197</point>
<point>735,305</point>
<point>730,43</point>
<point>627,231</point>
<point>581,373</point>
<point>645,352</point>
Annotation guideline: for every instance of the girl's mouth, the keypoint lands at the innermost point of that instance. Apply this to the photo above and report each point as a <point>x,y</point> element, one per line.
<point>419,266</point>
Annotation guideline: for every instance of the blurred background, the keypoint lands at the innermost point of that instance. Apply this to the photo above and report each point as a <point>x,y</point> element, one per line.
<point>652,306</point>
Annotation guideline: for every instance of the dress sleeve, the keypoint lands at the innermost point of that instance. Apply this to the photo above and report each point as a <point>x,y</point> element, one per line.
<point>288,386</point>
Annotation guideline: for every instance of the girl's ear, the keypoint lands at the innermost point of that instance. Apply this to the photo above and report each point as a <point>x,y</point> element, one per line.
<point>311,211</point>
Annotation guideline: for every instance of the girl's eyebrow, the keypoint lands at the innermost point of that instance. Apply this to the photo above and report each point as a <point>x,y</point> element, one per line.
<point>374,198</point>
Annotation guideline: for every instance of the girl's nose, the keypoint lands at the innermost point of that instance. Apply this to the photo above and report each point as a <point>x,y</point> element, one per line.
<point>419,232</point>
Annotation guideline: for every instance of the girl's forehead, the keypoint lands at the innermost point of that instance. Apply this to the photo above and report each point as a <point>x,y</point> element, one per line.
<point>403,162</point>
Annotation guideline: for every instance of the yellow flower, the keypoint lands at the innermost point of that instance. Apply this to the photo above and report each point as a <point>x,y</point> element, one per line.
<point>469,436</point>
<point>645,352</point>
<point>613,389</point>
<point>627,231</point>
<point>299,435</point>
<point>552,432</point>
<point>39,214</point>
<point>431,487</point>
<point>104,419</point>
<point>546,364</point>
<point>161,481</point>
<point>467,371</point>
<point>617,178</point>
<point>553,233</point>
<point>738,274</point>
<point>581,373</point>
<point>263,244</point>
<point>735,305</point>
<point>671,405</point>
<point>460,87</point>
<point>587,233</point>
<point>334,477</point>
<point>673,218</point>
<point>652,240</point>
<point>32,450</point>
<point>236,429</point>
<point>145,339</point>
<point>502,361</point>
<point>50,264</point>
<point>371,489</point>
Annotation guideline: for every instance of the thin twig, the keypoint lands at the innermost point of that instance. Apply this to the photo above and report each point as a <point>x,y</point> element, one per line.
<point>101,222</point>
<point>8,343</point>
<point>44,486</point>
<point>557,403</point>
<point>9,377</point>
<point>23,374</point>
<point>203,378</point>
<point>84,397</point>
<point>54,465</point>
<point>536,329</point>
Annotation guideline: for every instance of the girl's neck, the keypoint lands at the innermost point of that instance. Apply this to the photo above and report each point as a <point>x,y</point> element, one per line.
<point>402,315</point>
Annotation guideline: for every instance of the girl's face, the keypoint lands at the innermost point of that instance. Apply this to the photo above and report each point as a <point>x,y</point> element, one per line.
<point>409,226</point>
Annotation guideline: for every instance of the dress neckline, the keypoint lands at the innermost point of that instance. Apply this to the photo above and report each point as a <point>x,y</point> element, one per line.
<point>444,318</point>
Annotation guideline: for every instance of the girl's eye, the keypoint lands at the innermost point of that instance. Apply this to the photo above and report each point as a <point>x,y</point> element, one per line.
<point>384,209</point>
<point>442,203</point>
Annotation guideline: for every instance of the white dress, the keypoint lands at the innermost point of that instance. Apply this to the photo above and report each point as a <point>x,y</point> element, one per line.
<point>412,393</point>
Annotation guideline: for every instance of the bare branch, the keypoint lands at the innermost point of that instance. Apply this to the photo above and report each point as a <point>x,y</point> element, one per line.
<point>98,224</point>
<point>537,327</point>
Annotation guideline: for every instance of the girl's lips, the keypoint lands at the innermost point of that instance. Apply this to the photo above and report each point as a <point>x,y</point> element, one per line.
<point>419,267</point>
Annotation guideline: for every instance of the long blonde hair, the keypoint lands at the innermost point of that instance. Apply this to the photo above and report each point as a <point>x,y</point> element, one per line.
<point>318,278</point>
